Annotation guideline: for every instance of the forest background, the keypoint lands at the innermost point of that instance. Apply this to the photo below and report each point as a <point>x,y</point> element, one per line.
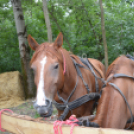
<point>78,20</point>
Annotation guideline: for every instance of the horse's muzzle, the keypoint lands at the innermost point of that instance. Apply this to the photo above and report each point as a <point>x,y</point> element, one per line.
<point>45,110</point>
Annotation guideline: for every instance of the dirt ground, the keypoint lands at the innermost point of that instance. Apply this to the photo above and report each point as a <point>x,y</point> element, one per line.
<point>27,109</point>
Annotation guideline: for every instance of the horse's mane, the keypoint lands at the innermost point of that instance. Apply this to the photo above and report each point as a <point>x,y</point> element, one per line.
<point>115,66</point>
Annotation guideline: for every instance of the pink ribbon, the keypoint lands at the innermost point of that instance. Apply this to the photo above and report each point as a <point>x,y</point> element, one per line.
<point>64,62</point>
<point>58,124</point>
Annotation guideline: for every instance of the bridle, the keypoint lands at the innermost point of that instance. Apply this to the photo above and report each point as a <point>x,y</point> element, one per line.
<point>67,106</point>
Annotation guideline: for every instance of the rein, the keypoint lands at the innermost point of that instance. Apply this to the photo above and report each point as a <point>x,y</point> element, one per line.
<point>68,106</point>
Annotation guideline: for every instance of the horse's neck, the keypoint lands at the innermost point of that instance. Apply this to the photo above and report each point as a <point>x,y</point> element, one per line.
<point>69,83</point>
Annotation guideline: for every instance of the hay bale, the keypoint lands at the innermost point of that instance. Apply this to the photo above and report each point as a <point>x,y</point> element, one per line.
<point>11,89</point>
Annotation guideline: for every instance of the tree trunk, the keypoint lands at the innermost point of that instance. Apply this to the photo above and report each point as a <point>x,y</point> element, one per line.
<point>24,49</point>
<point>47,20</point>
<point>104,34</point>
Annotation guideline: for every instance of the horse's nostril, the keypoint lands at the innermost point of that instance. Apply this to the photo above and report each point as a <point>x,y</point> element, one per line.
<point>48,102</point>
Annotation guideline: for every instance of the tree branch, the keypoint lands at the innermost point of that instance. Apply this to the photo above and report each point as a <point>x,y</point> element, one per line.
<point>55,20</point>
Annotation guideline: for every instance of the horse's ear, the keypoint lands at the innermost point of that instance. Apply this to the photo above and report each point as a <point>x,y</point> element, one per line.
<point>32,42</point>
<point>59,41</point>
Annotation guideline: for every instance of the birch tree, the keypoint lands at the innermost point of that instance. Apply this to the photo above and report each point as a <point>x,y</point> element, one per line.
<point>23,47</point>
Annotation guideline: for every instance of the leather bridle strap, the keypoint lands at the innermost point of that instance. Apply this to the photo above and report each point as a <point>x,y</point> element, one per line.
<point>90,68</point>
<point>130,57</point>
<point>66,101</point>
<point>74,104</point>
<point>119,75</point>
<point>86,62</point>
<point>116,87</point>
<point>80,74</point>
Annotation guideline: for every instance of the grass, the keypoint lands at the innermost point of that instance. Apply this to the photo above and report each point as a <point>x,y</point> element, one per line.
<point>36,115</point>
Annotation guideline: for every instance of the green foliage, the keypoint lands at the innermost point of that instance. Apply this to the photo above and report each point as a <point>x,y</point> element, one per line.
<point>9,49</point>
<point>80,23</point>
<point>36,115</point>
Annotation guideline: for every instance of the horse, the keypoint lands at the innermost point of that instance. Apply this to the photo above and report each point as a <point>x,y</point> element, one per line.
<point>115,108</point>
<point>64,79</point>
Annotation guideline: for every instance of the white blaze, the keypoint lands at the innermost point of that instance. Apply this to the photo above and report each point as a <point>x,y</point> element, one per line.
<point>40,92</point>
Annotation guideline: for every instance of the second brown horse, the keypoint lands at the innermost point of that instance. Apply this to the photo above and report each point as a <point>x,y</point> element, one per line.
<point>116,105</point>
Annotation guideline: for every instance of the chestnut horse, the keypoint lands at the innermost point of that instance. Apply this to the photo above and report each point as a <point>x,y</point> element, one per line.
<point>63,79</point>
<point>116,105</point>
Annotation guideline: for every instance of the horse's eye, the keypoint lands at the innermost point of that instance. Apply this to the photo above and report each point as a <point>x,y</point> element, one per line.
<point>56,66</point>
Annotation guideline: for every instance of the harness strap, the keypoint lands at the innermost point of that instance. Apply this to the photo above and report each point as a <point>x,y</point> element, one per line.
<point>130,57</point>
<point>119,75</point>
<point>116,87</point>
<point>76,103</point>
<point>90,68</point>
<point>80,74</point>
<point>123,75</point>
<point>66,101</point>
<point>96,80</point>
<point>85,61</point>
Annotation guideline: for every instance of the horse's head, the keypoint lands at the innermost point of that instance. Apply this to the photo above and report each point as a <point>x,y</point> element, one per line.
<point>47,63</point>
